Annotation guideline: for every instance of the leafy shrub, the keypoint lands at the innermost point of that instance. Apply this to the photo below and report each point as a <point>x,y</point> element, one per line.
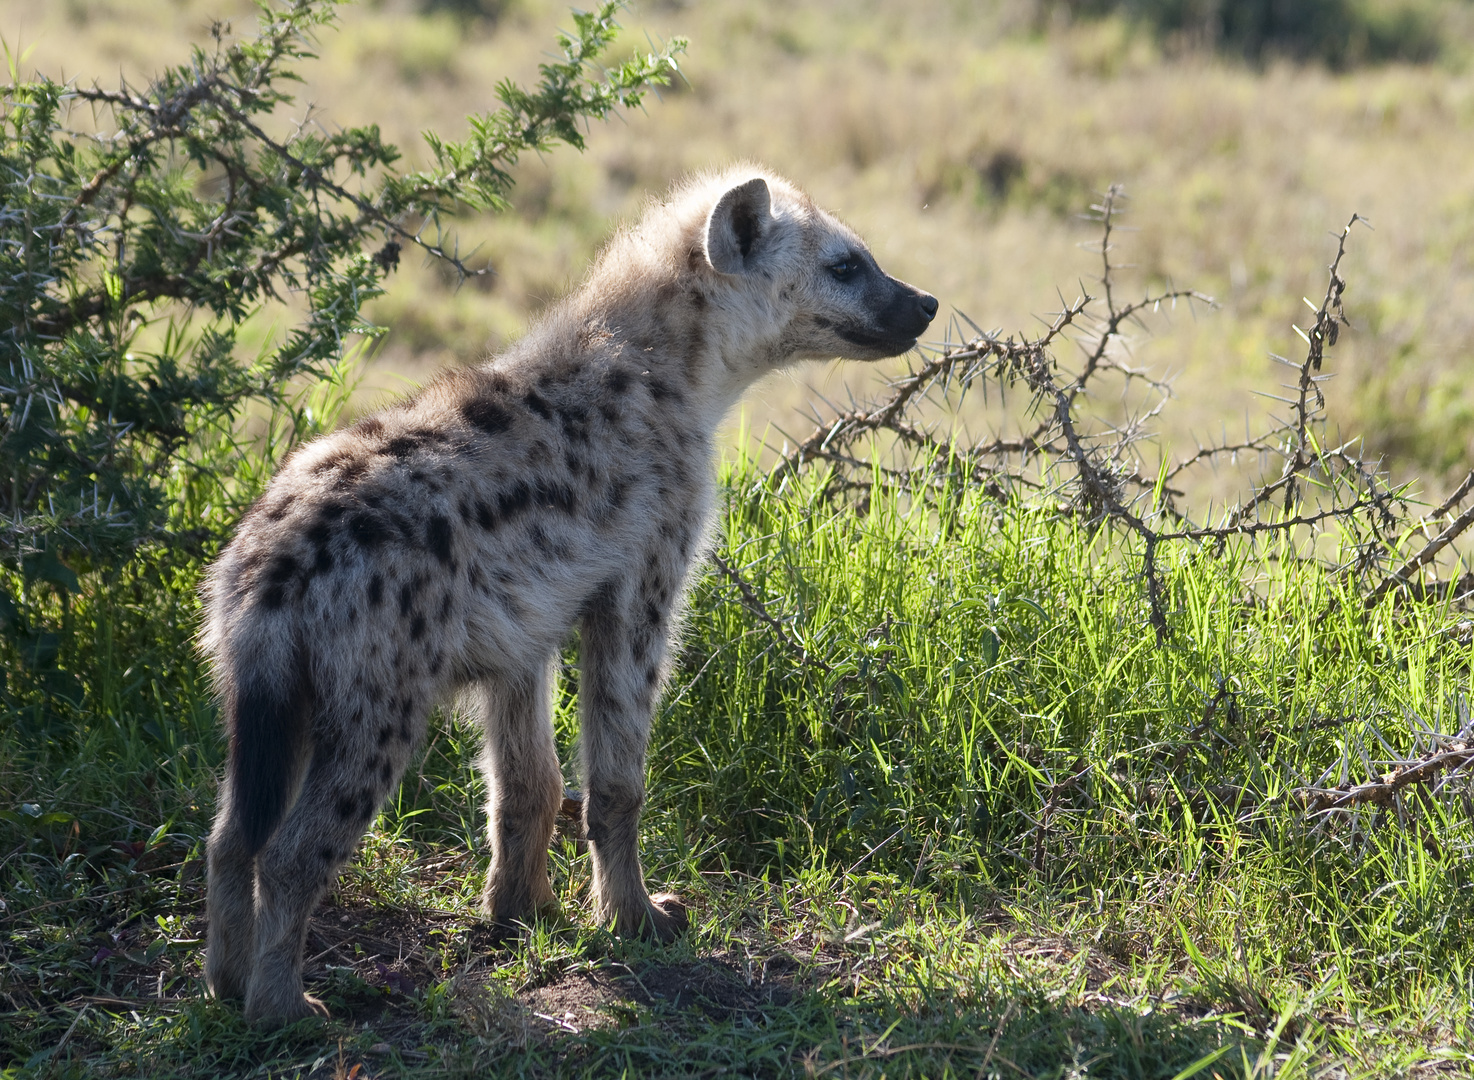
<point>133,252</point>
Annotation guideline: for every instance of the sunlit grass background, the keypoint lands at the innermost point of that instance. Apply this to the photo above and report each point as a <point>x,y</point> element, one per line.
<point>964,141</point>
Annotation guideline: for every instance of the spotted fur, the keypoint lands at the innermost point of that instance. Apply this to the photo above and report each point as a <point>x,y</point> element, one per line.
<point>450,543</point>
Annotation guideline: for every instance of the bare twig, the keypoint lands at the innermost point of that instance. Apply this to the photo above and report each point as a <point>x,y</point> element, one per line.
<point>754,604</point>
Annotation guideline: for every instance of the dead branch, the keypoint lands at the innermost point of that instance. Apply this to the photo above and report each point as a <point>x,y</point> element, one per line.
<point>1384,791</point>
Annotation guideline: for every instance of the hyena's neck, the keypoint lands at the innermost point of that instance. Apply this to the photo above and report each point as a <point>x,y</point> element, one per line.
<point>709,353</point>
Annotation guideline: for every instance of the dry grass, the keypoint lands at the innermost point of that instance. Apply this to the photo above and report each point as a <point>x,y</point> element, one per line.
<point>961,143</point>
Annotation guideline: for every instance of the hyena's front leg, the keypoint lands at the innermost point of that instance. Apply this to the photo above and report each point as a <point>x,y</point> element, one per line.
<point>621,658</point>
<point>525,789</point>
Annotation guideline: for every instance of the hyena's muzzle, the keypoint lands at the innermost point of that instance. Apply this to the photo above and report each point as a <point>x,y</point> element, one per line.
<point>890,315</point>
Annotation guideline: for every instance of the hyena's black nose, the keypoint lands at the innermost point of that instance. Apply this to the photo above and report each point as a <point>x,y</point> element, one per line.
<point>929,305</point>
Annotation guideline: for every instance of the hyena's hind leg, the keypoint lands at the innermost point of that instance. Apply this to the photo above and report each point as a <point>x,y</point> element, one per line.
<point>525,790</point>
<point>355,764</point>
<point>230,905</point>
<point>622,648</point>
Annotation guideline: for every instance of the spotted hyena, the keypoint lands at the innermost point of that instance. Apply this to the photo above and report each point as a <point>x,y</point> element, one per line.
<point>451,543</point>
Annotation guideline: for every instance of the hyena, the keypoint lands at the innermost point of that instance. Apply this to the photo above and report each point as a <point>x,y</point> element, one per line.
<point>450,544</point>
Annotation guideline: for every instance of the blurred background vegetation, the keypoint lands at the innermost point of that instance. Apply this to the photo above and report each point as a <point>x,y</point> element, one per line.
<point>964,140</point>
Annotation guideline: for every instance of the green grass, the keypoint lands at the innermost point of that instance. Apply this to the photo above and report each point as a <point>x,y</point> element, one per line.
<point>972,821</point>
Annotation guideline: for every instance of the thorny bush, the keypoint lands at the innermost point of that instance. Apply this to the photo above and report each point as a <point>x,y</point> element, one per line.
<point>1064,458</point>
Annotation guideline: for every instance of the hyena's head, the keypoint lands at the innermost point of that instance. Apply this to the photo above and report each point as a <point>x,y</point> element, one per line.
<point>809,277</point>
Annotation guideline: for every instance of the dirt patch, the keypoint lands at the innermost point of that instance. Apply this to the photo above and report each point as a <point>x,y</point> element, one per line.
<point>611,994</point>
<point>715,986</point>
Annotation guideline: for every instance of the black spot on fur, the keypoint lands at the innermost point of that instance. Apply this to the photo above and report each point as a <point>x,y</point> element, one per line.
<point>385,769</point>
<point>652,675</point>
<point>279,573</point>
<point>376,590</point>
<point>384,735</point>
<point>367,529</point>
<point>402,446</point>
<point>406,598</point>
<point>417,628</point>
<point>346,807</point>
<point>336,460</point>
<point>513,501</point>
<point>323,562</point>
<point>539,404</point>
<point>486,415</point>
<point>436,663</point>
<point>438,537</point>
<point>445,602</point>
<point>326,855</point>
<point>485,516</point>
<point>369,425</point>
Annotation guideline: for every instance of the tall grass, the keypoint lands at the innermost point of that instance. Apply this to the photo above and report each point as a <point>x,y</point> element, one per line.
<point>966,733</point>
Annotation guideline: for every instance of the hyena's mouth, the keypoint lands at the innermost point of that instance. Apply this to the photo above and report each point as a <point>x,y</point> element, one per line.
<point>884,344</point>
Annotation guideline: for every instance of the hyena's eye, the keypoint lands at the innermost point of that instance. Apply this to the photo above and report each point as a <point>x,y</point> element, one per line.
<point>845,268</point>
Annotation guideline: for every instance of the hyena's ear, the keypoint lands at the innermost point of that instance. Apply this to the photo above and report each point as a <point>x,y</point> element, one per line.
<point>738,225</point>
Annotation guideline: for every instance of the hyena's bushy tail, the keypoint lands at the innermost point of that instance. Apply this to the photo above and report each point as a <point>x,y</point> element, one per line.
<point>268,712</point>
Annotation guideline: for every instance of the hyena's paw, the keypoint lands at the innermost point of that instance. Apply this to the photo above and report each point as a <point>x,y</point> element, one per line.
<point>663,920</point>
<point>228,960</point>
<point>224,984</point>
<point>510,909</point>
<point>276,1011</point>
